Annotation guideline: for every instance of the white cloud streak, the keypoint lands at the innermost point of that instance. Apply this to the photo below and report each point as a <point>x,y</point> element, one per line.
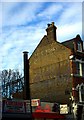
<point>72,14</point>
<point>23,15</point>
<point>50,11</point>
<point>42,0</point>
<point>24,26</point>
<point>69,31</point>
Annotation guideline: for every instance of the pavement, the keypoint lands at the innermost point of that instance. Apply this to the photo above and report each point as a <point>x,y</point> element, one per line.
<point>69,117</point>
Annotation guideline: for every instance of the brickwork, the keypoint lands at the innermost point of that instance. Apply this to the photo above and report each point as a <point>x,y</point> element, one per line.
<point>50,73</point>
<point>52,57</point>
<point>51,70</point>
<point>51,90</point>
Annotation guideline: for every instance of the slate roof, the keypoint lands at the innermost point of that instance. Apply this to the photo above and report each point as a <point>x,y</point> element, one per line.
<point>70,43</point>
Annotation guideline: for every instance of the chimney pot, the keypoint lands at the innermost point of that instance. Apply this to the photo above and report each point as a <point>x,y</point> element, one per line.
<point>53,23</point>
<point>48,25</point>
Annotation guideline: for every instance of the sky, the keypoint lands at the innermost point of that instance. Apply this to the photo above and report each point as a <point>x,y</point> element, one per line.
<point>23,25</point>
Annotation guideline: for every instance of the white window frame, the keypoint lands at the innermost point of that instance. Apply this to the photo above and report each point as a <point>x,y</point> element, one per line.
<point>78,87</point>
<point>79,46</point>
<point>80,66</point>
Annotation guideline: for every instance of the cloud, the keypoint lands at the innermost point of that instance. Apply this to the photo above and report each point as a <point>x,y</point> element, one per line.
<point>72,13</point>
<point>42,1</point>
<point>16,42</point>
<point>0,19</point>
<point>24,26</point>
<point>69,31</point>
<point>70,22</point>
<point>19,13</point>
<point>50,11</point>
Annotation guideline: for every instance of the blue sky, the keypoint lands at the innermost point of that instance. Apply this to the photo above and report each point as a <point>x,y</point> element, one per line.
<point>23,25</point>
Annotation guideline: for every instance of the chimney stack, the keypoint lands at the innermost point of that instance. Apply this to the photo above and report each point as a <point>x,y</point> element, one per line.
<point>26,77</point>
<point>51,31</point>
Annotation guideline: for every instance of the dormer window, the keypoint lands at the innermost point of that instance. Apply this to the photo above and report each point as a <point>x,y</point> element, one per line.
<point>79,46</point>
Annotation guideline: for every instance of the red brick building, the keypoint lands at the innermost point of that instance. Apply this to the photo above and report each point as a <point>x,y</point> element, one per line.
<point>77,67</point>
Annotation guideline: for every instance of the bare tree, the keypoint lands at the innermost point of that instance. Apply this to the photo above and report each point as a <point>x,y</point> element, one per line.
<point>12,81</point>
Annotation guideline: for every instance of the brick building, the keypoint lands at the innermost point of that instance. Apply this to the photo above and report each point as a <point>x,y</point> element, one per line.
<point>57,69</point>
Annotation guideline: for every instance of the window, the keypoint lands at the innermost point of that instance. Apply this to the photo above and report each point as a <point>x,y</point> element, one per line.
<point>79,46</point>
<point>82,92</point>
<point>83,69</point>
<point>80,88</point>
<point>79,67</point>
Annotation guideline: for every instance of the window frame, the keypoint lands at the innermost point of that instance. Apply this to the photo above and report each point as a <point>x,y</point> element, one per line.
<point>80,69</point>
<point>79,46</point>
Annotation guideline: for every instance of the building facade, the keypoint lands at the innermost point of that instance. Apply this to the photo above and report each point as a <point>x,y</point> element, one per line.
<point>56,70</point>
